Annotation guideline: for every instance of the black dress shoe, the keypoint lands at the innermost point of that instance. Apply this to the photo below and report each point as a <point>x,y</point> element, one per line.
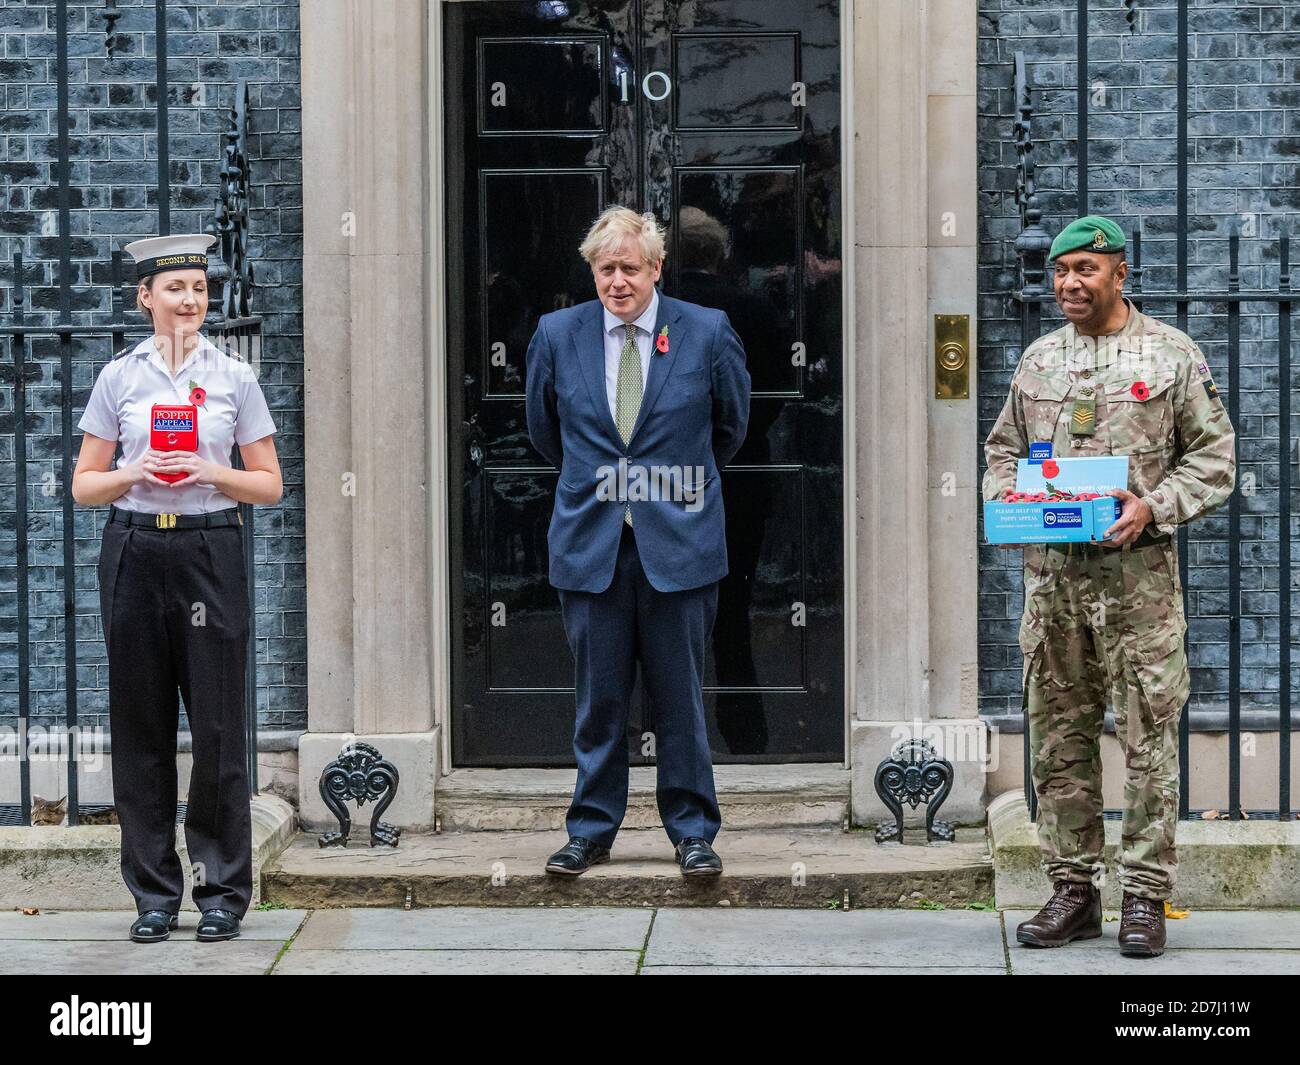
<point>576,856</point>
<point>217,924</point>
<point>153,926</point>
<point>697,858</point>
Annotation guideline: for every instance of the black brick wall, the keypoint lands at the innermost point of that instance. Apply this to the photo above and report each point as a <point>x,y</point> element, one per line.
<point>1244,152</point>
<point>114,200</point>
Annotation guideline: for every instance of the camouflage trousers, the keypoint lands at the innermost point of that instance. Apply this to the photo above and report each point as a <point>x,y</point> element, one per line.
<point>1098,621</point>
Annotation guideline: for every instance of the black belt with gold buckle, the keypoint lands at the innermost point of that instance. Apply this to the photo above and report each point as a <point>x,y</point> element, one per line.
<point>1146,538</point>
<point>228,516</point>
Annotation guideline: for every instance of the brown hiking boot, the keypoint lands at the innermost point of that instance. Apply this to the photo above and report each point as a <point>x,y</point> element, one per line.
<point>1073,912</point>
<point>1141,927</point>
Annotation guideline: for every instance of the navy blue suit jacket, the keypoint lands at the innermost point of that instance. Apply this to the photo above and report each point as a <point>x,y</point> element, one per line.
<point>693,414</point>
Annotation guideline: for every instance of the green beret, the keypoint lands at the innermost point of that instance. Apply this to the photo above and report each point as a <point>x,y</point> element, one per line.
<point>1089,233</point>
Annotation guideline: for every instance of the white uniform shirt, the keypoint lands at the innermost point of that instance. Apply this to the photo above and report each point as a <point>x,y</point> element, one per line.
<point>234,411</point>
<point>615,336</point>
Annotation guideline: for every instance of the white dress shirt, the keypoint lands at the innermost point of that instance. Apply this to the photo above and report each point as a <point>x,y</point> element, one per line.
<point>234,411</point>
<point>615,337</point>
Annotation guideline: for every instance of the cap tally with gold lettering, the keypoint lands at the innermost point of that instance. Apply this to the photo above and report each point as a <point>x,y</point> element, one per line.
<point>1092,232</point>
<point>181,251</point>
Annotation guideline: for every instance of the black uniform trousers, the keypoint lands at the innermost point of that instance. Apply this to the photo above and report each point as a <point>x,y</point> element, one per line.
<point>175,611</point>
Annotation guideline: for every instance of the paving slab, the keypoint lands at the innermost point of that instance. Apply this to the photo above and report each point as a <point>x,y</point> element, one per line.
<point>1105,959</point>
<point>459,962</point>
<point>795,867</point>
<point>1212,929</point>
<point>609,940</point>
<point>468,928</point>
<point>114,925</point>
<point>934,940</point>
<point>810,970</point>
<point>174,957</point>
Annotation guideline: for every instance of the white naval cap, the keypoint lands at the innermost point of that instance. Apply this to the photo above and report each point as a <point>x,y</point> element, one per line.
<point>180,251</point>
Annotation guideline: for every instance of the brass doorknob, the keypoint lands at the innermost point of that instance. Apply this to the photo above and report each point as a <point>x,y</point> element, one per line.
<point>952,356</point>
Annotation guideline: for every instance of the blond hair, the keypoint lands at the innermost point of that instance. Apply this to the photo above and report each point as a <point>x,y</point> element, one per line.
<point>616,223</point>
<point>139,304</point>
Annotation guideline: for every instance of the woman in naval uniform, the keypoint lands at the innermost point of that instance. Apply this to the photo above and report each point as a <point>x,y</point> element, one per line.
<point>173,595</point>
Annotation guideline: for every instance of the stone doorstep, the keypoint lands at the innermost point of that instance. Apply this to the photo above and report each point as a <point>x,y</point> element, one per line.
<point>79,868</point>
<point>750,796</point>
<point>1221,864</point>
<point>505,869</point>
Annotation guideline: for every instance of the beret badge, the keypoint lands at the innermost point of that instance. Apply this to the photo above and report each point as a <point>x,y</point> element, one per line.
<point>1092,232</point>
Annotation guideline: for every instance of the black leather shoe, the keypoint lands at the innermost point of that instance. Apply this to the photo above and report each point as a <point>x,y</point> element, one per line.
<point>697,858</point>
<point>153,926</point>
<point>217,924</point>
<point>576,857</point>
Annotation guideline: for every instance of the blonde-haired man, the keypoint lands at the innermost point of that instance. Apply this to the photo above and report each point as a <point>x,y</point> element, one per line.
<point>639,399</point>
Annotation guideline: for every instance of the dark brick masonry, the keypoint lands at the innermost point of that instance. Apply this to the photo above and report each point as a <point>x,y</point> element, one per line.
<point>1244,143</point>
<point>114,200</point>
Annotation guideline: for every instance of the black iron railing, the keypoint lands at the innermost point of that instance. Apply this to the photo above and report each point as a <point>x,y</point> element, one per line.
<point>240,335</point>
<point>30,348</point>
<point>1032,246</point>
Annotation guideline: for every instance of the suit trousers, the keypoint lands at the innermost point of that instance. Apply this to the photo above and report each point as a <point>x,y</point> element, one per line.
<point>609,632</point>
<point>175,606</point>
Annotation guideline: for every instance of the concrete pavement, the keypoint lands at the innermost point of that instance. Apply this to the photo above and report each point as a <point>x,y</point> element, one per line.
<point>625,940</point>
<point>792,866</point>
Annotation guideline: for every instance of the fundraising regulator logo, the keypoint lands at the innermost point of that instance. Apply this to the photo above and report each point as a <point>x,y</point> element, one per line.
<point>1063,517</point>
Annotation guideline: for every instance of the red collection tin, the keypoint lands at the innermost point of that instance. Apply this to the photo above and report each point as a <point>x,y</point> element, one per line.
<point>174,427</point>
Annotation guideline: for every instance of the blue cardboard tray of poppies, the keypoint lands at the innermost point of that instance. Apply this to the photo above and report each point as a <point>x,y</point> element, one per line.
<point>1059,522</point>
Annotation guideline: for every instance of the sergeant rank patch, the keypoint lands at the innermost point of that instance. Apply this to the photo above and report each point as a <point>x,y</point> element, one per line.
<point>1083,418</point>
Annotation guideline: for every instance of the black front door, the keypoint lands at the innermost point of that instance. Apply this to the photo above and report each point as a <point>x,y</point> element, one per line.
<point>723,118</point>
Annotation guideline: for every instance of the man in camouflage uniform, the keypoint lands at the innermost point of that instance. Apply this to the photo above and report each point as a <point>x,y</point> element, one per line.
<point>1109,616</point>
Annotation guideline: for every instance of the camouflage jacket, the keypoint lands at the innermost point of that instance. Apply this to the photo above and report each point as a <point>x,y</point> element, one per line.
<point>1155,402</point>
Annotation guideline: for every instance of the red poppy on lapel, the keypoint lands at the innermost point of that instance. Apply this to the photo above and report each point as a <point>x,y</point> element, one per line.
<point>661,341</point>
<point>1140,390</point>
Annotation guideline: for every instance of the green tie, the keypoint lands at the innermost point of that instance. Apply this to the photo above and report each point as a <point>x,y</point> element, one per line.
<point>628,396</point>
